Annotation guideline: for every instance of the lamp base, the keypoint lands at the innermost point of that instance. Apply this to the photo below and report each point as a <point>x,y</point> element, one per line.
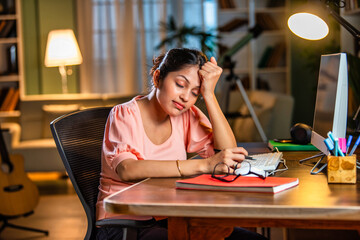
<point>62,70</point>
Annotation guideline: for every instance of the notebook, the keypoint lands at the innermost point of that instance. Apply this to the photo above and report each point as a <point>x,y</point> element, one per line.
<point>241,184</point>
<point>291,146</point>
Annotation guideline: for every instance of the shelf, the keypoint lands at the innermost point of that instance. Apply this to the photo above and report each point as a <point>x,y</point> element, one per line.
<point>272,33</point>
<point>271,10</point>
<point>9,114</point>
<point>352,12</point>
<point>73,96</point>
<point>258,10</point>
<point>269,42</point>
<point>237,71</point>
<point>242,33</point>
<point>11,73</point>
<point>9,78</point>
<point>8,40</point>
<point>271,70</point>
<point>233,10</point>
<point>236,33</point>
<point>8,17</point>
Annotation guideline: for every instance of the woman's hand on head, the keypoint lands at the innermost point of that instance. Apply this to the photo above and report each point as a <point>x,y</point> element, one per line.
<point>209,74</point>
<point>229,156</point>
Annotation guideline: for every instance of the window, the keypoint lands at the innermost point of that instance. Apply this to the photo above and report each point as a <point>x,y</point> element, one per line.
<point>125,34</point>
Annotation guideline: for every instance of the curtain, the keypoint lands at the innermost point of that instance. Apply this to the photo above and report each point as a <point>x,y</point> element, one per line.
<point>118,39</point>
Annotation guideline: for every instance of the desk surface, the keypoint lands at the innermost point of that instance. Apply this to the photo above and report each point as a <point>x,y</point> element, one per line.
<point>314,198</point>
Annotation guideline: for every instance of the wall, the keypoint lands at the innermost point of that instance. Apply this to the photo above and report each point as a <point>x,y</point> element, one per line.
<point>38,18</point>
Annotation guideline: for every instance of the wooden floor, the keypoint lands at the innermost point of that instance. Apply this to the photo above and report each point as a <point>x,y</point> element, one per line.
<point>60,212</point>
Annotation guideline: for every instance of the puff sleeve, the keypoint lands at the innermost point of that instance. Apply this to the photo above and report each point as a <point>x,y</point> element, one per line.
<point>120,137</point>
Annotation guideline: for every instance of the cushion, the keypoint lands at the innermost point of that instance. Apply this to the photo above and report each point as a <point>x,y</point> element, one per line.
<point>244,127</point>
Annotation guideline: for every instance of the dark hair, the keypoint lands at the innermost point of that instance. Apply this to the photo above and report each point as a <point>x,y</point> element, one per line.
<point>177,59</point>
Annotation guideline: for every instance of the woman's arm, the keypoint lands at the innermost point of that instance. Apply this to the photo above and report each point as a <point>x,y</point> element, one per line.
<point>132,170</point>
<point>223,135</point>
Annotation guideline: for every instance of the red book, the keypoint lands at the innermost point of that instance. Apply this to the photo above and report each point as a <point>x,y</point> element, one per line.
<point>241,184</point>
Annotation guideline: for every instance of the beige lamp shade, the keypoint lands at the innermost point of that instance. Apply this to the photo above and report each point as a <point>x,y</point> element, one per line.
<point>308,26</point>
<point>62,49</point>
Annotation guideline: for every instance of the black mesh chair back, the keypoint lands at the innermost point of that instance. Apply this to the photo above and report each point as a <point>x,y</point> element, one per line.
<point>78,137</point>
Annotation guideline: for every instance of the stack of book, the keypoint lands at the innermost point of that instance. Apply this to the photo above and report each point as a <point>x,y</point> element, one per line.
<point>266,21</point>
<point>233,24</point>
<point>7,28</point>
<point>7,7</point>
<point>273,56</point>
<point>351,5</point>
<point>9,98</point>
<point>227,4</point>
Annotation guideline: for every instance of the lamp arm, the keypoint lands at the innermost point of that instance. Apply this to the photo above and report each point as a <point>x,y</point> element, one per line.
<point>355,32</point>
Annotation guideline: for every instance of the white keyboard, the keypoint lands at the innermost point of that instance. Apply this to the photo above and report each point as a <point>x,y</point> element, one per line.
<point>266,161</point>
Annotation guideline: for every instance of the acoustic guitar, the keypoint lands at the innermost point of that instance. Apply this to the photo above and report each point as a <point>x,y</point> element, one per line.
<point>18,194</point>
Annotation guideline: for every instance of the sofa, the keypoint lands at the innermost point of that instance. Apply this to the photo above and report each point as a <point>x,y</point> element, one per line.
<point>273,110</point>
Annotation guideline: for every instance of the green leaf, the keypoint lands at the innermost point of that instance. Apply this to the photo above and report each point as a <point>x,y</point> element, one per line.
<point>179,36</point>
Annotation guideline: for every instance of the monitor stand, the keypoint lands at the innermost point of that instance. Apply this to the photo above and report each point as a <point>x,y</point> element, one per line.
<point>312,171</point>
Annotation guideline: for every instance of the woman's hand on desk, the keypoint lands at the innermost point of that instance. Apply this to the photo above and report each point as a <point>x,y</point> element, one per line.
<point>229,156</point>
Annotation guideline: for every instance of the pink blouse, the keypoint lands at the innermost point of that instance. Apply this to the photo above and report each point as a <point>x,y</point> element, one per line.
<point>125,138</point>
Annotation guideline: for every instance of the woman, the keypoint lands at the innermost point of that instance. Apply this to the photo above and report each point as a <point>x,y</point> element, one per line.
<point>150,135</point>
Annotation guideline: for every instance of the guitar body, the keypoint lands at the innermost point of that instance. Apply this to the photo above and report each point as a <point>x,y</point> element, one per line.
<point>18,194</point>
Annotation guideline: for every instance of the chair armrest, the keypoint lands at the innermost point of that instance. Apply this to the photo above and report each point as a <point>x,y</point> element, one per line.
<point>125,223</point>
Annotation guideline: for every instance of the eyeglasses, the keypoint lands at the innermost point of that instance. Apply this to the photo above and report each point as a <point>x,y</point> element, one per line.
<point>243,169</point>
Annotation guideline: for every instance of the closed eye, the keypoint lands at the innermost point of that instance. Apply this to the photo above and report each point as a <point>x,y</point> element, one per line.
<point>180,86</point>
<point>195,94</point>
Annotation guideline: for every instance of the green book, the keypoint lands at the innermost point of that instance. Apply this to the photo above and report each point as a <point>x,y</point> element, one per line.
<point>265,57</point>
<point>291,146</point>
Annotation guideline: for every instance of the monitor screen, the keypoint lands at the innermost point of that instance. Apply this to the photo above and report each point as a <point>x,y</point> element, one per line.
<point>331,100</point>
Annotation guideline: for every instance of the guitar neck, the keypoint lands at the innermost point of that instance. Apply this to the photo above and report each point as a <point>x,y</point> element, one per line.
<point>5,158</point>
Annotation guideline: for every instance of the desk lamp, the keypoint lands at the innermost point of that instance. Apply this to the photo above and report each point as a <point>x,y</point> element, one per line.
<point>311,27</point>
<point>62,50</point>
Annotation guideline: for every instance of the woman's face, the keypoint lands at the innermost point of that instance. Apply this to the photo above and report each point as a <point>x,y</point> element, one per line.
<point>179,90</point>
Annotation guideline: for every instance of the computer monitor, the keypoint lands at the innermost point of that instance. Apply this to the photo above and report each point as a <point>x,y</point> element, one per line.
<point>331,100</point>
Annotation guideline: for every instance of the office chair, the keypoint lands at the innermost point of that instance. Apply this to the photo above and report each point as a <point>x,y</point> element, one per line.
<point>78,137</point>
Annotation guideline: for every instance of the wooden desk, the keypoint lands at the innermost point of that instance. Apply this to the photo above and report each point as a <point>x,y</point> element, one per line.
<point>212,215</point>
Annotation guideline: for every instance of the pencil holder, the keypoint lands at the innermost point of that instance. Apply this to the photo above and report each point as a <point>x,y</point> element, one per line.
<point>341,169</point>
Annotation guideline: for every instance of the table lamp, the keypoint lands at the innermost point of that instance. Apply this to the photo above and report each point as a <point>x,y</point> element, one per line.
<point>62,50</point>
